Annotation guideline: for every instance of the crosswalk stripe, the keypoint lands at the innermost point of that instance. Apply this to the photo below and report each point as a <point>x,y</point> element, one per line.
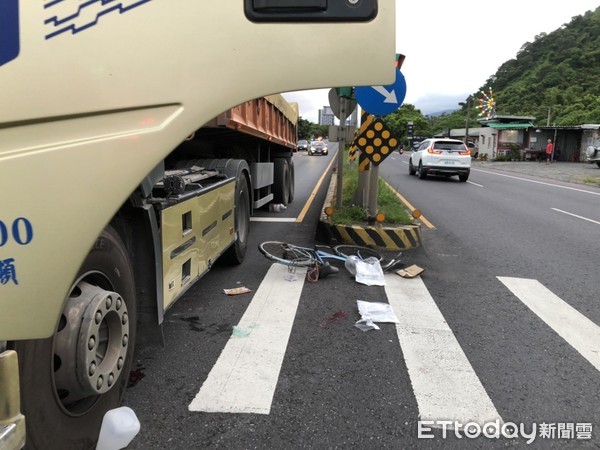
<point>445,385</point>
<point>245,376</point>
<point>579,331</point>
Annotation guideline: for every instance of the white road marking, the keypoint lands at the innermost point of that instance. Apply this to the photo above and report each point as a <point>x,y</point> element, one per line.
<point>575,215</point>
<point>579,331</point>
<point>445,385</point>
<point>245,376</point>
<point>273,219</point>
<point>470,182</point>
<point>538,182</point>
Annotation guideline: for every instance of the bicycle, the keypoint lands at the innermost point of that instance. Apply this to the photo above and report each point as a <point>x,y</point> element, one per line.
<point>316,259</point>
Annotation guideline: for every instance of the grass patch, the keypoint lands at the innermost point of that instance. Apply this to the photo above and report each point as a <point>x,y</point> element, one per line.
<point>591,181</point>
<point>396,212</point>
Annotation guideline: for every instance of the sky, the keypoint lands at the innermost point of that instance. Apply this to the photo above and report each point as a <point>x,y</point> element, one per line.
<point>478,37</point>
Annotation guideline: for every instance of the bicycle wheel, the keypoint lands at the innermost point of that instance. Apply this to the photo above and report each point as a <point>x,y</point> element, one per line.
<point>287,254</point>
<point>347,250</point>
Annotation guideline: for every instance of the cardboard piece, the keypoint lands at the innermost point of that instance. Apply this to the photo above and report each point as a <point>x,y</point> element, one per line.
<point>411,271</point>
<point>236,291</point>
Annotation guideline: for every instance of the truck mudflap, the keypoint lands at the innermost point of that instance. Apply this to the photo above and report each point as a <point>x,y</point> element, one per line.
<point>12,422</point>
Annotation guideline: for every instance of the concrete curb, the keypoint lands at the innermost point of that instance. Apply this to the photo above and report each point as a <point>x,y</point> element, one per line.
<point>397,238</point>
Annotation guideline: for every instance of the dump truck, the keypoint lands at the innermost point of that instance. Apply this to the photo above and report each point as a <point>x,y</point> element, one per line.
<point>137,137</point>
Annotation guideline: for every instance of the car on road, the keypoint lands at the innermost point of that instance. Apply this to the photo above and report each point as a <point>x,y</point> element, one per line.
<point>474,149</point>
<point>593,154</point>
<point>317,148</point>
<point>441,156</point>
<point>302,145</point>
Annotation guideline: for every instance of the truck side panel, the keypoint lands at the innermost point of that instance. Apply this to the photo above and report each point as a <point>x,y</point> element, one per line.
<point>194,233</point>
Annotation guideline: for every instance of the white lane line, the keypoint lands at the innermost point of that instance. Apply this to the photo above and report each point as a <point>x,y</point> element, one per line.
<point>579,331</point>
<point>575,215</point>
<point>445,385</point>
<point>537,182</point>
<point>470,182</point>
<point>245,376</point>
<point>273,219</point>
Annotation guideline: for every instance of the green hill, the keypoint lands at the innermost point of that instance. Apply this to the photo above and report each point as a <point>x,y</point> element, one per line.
<point>556,76</point>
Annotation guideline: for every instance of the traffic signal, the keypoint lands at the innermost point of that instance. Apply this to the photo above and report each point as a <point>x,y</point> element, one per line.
<point>409,128</point>
<point>399,60</point>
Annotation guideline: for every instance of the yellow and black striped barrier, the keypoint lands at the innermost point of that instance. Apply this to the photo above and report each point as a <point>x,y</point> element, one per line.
<point>395,238</point>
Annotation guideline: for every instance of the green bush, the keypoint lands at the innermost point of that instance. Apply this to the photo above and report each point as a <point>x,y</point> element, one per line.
<point>388,202</point>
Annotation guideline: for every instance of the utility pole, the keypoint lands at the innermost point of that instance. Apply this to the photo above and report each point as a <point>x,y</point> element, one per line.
<point>469,99</point>
<point>553,145</point>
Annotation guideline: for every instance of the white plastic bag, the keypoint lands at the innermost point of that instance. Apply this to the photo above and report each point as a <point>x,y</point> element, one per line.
<point>376,311</point>
<point>369,272</point>
<point>350,264</point>
<point>371,312</point>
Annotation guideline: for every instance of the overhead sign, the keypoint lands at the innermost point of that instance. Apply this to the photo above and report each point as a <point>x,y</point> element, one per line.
<point>382,100</point>
<point>341,105</point>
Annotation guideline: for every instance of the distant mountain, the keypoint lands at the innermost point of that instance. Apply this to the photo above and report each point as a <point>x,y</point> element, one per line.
<point>556,78</point>
<point>441,113</point>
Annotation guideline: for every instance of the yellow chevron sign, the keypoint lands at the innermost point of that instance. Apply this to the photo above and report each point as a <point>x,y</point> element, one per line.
<point>375,140</point>
<point>352,151</point>
<point>363,163</point>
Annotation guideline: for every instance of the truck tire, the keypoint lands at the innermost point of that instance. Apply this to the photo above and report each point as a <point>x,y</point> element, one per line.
<point>281,181</point>
<point>237,252</point>
<point>292,181</point>
<point>70,380</point>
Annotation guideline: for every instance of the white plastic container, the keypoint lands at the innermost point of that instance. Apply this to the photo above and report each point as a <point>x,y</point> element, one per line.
<point>119,427</point>
<point>277,207</point>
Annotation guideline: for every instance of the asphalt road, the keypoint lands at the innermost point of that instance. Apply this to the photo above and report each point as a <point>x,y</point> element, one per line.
<point>468,347</point>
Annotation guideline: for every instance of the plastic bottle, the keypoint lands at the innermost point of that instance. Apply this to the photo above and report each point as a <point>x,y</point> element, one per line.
<point>119,427</point>
<point>277,207</point>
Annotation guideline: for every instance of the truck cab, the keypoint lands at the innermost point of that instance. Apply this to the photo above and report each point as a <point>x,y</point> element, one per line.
<point>111,180</point>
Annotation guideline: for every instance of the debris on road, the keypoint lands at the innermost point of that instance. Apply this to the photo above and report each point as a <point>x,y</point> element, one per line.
<point>411,271</point>
<point>367,271</point>
<point>237,291</point>
<point>371,312</point>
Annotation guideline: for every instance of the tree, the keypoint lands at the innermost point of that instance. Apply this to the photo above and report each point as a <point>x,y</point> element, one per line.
<point>397,122</point>
<point>304,128</point>
<point>308,130</point>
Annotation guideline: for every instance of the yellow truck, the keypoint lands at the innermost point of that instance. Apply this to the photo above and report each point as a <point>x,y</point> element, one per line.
<point>126,170</point>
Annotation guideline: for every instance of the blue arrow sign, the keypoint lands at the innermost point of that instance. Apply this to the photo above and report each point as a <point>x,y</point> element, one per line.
<point>382,100</point>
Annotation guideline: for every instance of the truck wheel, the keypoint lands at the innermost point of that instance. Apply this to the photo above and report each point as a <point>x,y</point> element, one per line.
<point>281,181</point>
<point>70,380</point>
<point>292,181</point>
<point>237,252</point>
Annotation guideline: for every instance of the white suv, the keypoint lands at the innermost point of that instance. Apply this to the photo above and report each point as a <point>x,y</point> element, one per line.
<point>441,156</point>
<point>593,154</point>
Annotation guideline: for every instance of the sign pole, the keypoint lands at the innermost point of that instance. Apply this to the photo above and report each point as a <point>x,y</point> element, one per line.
<point>380,101</point>
<point>341,150</point>
<point>363,177</point>
<point>373,191</point>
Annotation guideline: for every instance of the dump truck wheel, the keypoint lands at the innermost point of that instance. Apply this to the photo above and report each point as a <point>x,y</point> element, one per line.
<point>237,252</point>
<point>281,182</point>
<point>292,181</point>
<point>70,380</point>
